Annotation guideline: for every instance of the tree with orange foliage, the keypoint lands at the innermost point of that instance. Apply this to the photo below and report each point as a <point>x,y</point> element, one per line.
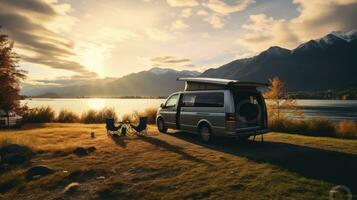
<point>279,100</point>
<point>10,76</point>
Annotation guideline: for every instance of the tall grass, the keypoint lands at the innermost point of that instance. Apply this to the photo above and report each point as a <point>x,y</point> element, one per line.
<point>93,116</point>
<point>346,129</point>
<point>39,115</point>
<point>150,113</point>
<point>316,127</point>
<point>65,116</point>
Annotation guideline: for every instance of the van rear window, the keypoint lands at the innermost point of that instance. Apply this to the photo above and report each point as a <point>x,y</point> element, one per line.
<point>212,99</point>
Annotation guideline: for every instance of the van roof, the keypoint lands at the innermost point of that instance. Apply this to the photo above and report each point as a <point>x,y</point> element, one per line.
<point>223,82</point>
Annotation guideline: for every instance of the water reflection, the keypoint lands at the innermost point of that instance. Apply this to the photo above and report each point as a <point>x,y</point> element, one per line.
<point>96,104</point>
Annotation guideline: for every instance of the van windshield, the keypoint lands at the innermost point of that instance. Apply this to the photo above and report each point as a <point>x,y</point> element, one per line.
<point>249,106</point>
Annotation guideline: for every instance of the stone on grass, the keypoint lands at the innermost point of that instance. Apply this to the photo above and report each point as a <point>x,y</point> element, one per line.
<point>15,159</point>
<point>14,154</point>
<point>71,188</point>
<point>80,151</point>
<point>38,171</point>
<point>91,149</point>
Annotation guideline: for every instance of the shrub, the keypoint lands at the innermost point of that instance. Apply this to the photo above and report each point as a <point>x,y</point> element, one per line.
<point>65,116</point>
<point>346,129</point>
<point>150,113</point>
<point>321,127</point>
<point>313,127</point>
<point>39,115</point>
<point>92,116</point>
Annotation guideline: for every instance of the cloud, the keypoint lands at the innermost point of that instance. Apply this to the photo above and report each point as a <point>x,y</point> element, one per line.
<point>216,21</point>
<point>223,8</point>
<point>46,46</point>
<point>202,13</point>
<point>171,62</point>
<point>179,25</point>
<point>158,34</point>
<point>186,13</point>
<point>182,3</point>
<point>315,19</point>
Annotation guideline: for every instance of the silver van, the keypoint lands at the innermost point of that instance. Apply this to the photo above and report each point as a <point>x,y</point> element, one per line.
<point>215,107</point>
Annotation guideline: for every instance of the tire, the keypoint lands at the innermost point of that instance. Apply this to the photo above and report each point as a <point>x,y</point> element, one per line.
<point>161,125</point>
<point>205,133</point>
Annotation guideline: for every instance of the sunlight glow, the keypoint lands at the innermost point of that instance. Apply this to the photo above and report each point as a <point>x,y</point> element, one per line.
<point>96,104</point>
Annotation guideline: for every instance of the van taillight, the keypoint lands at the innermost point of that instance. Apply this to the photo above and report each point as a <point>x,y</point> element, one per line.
<point>230,117</point>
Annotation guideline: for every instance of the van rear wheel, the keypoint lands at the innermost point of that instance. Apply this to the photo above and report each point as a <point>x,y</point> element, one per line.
<point>161,125</point>
<point>206,134</point>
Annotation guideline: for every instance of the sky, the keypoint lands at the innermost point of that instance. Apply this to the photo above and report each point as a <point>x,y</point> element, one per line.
<point>89,39</point>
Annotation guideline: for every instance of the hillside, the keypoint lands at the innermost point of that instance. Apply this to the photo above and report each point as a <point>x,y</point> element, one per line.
<point>154,82</point>
<point>326,63</point>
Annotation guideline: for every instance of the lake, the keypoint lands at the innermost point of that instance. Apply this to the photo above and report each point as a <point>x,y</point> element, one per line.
<point>331,109</point>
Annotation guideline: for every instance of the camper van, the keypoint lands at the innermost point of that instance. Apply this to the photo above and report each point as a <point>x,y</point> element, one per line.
<point>10,119</point>
<point>215,107</point>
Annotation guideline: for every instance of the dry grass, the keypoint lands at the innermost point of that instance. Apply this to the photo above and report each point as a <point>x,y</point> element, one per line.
<point>150,113</point>
<point>346,129</point>
<point>40,115</point>
<point>316,127</point>
<point>66,116</point>
<point>177,166</point>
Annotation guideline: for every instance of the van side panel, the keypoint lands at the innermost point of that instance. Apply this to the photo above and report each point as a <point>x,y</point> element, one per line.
<point>191,117</point>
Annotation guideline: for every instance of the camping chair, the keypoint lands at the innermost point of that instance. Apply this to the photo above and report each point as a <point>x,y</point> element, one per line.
<point>141,129</point>
<point>111,128</point>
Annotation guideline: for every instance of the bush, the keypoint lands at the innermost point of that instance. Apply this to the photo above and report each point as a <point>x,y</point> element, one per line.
<point>321,127</point>
<point>65,116</point>
<point>346,129</point>
<point>94,117</point>
<point>39,115</point>
<point>313,127</point>
<point>150,113</point>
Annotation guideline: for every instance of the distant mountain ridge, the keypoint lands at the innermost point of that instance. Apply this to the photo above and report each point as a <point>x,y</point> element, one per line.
<point>154,82</point>
<point>325,63</point>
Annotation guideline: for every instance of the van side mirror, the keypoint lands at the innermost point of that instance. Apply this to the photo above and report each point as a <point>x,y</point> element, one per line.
<point>162,105</point>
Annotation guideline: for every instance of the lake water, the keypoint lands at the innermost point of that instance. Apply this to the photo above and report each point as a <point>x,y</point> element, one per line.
<point>332,109</point>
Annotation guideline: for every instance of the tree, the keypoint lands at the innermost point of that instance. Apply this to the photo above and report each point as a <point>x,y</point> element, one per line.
<point>280,105</point>
<point>10,76</point>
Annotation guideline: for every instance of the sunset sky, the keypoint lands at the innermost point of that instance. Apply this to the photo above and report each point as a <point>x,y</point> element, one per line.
<point>64,39</point>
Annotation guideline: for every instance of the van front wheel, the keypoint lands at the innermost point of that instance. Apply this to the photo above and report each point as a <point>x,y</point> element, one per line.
<point>206,134</point>
<point>161,125</point>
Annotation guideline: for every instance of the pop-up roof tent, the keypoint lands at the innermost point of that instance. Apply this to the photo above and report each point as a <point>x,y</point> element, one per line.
<point>201,83</point>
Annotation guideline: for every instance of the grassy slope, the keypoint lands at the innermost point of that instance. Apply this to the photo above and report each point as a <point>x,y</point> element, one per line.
<point>178,166</point>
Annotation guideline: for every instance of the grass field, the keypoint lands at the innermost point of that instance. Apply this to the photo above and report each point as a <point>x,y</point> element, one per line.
<point>178,166</point>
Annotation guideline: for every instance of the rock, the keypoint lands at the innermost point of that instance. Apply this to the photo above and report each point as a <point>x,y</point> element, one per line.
<point>14,154</point>
<point>15,149</point>
<point>15,159</point>
<point>71,188</point>
<point>91,149</point>
<point>100,177</point>
<point>80,151</point>
<point>92,134</point>
<point>38,171</point>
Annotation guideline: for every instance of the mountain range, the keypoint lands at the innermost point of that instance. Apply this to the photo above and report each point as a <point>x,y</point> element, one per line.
<point>321,64</point>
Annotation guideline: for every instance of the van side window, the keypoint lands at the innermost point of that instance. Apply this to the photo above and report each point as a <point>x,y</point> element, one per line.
<point>188,100</point>
<point>213,99</point>
<point>172,101</point>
